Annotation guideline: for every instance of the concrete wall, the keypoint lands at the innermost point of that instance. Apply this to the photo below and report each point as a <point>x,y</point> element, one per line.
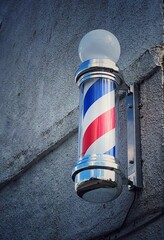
<point>39,118</point>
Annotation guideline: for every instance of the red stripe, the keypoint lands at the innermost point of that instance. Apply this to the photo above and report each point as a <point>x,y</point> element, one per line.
<point>101,125</point>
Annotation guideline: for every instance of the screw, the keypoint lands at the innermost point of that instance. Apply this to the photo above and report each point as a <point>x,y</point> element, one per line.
<point>131,161</point>
<point>140,106</point>
<point>130,106</point>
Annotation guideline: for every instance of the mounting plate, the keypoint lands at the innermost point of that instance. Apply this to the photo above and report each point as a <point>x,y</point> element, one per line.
<point>133,137</point>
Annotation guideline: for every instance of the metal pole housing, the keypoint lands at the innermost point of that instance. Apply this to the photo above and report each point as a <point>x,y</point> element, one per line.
<point>98,175</point>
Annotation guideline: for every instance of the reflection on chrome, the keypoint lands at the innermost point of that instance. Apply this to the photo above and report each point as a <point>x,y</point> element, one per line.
<point>98,178</point>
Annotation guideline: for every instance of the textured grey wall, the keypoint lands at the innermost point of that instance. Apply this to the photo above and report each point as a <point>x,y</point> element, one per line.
<point>39,114</point>
<point>39,42</point>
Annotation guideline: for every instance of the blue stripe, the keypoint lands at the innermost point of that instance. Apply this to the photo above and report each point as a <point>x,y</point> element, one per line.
<point>101,87</point>
<point>111,152</point>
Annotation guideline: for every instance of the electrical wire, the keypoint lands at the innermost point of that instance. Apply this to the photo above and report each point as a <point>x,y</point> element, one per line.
<point>131,205</point>
<point>127,214</point>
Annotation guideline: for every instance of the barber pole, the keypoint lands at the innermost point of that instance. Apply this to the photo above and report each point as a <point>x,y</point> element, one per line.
<point>97,175</point>
<point>98,117</point>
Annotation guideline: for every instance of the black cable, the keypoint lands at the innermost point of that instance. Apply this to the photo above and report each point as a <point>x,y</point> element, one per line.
<point>131,205</point>
<point>123,223</point>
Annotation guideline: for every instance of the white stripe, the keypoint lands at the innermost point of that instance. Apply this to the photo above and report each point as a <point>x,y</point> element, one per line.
<point>102,144</point>
<point>100,106</point>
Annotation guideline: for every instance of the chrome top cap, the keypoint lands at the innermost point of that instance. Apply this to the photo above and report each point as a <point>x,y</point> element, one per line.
<point>96,64</point>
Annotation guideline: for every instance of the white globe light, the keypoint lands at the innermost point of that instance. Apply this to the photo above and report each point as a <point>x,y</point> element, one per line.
<point>99,44</point>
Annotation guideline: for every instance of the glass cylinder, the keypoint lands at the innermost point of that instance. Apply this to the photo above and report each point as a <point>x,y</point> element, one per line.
<point>97,127</point>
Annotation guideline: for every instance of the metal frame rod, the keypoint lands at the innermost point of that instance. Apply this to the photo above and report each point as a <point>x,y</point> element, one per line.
<point>133,137</point>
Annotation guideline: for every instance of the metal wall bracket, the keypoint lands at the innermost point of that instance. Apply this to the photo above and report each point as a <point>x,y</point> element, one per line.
<point>133,137</point>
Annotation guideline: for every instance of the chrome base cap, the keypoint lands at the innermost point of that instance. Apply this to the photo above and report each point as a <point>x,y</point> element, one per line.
<point>98,178</point>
